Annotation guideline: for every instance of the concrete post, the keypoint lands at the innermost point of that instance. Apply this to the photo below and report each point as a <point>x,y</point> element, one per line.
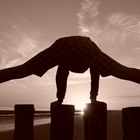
<point>62,122</point>
<point>131,123</point>
<point>95,121</point>
<point>24,117</point>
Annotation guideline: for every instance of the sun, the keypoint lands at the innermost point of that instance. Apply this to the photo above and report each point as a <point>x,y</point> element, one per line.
<point>78,100</point>
<point>81,105</point>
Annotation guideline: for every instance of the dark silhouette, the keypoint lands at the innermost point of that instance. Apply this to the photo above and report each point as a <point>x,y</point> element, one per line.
<point>95,121</point>
<point>62,122</point>
<point>24,122</point>
<point>131,123</point>
<point>76,54</point>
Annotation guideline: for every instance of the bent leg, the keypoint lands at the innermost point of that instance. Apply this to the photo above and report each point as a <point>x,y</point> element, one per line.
<point>127,73</point>
<point>16,72</point>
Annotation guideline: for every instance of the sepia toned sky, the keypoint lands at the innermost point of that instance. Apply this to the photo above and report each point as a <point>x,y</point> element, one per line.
<point>29,26</point>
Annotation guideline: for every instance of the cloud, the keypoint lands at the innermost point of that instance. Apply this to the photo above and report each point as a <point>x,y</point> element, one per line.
<point>127,23</point>
<point>89,10</point>
<point>16,48</point>
<point>93,24</point>
<point>19,39</point>
<point>116,32</point>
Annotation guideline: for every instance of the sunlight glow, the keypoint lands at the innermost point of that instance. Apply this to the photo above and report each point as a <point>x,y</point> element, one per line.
<point>81,105</point>
<point>82,112</point>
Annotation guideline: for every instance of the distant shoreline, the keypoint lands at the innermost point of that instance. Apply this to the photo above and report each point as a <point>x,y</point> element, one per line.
<point>12,111</point>
<point>114,128</point>
<point>43,111</point>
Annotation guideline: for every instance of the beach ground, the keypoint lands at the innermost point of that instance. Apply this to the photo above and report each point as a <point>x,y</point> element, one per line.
<point>42,132</point>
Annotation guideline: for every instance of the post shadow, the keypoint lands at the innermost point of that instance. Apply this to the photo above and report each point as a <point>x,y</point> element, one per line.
<point>62,122</point>
<point>131,123</point>
<point>24,118</point>
<point>95,121</point>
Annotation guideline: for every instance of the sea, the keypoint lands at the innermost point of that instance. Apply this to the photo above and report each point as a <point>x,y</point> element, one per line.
<point>7,119</point>
<point>114,122</point>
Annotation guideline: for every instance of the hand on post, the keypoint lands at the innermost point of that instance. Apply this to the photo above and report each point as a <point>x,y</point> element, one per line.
<point>93,96</point>
<point>58,102</point>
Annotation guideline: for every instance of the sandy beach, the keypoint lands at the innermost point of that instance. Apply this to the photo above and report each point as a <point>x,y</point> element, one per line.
<point>42,132</point>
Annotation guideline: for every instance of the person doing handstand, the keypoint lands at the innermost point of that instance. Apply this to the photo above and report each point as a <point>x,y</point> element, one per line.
<point>75,54</point>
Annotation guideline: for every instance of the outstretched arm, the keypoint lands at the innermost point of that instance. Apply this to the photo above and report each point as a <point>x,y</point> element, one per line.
<point>61,82</point>
<point>94,84</point>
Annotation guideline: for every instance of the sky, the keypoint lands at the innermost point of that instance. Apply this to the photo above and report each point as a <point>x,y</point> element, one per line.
<point>30,26</point>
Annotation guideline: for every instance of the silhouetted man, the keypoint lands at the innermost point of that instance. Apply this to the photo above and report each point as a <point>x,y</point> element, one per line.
<point>76,54</point>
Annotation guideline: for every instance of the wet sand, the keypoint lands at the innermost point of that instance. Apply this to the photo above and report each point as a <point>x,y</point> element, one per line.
<point>42,132</point>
